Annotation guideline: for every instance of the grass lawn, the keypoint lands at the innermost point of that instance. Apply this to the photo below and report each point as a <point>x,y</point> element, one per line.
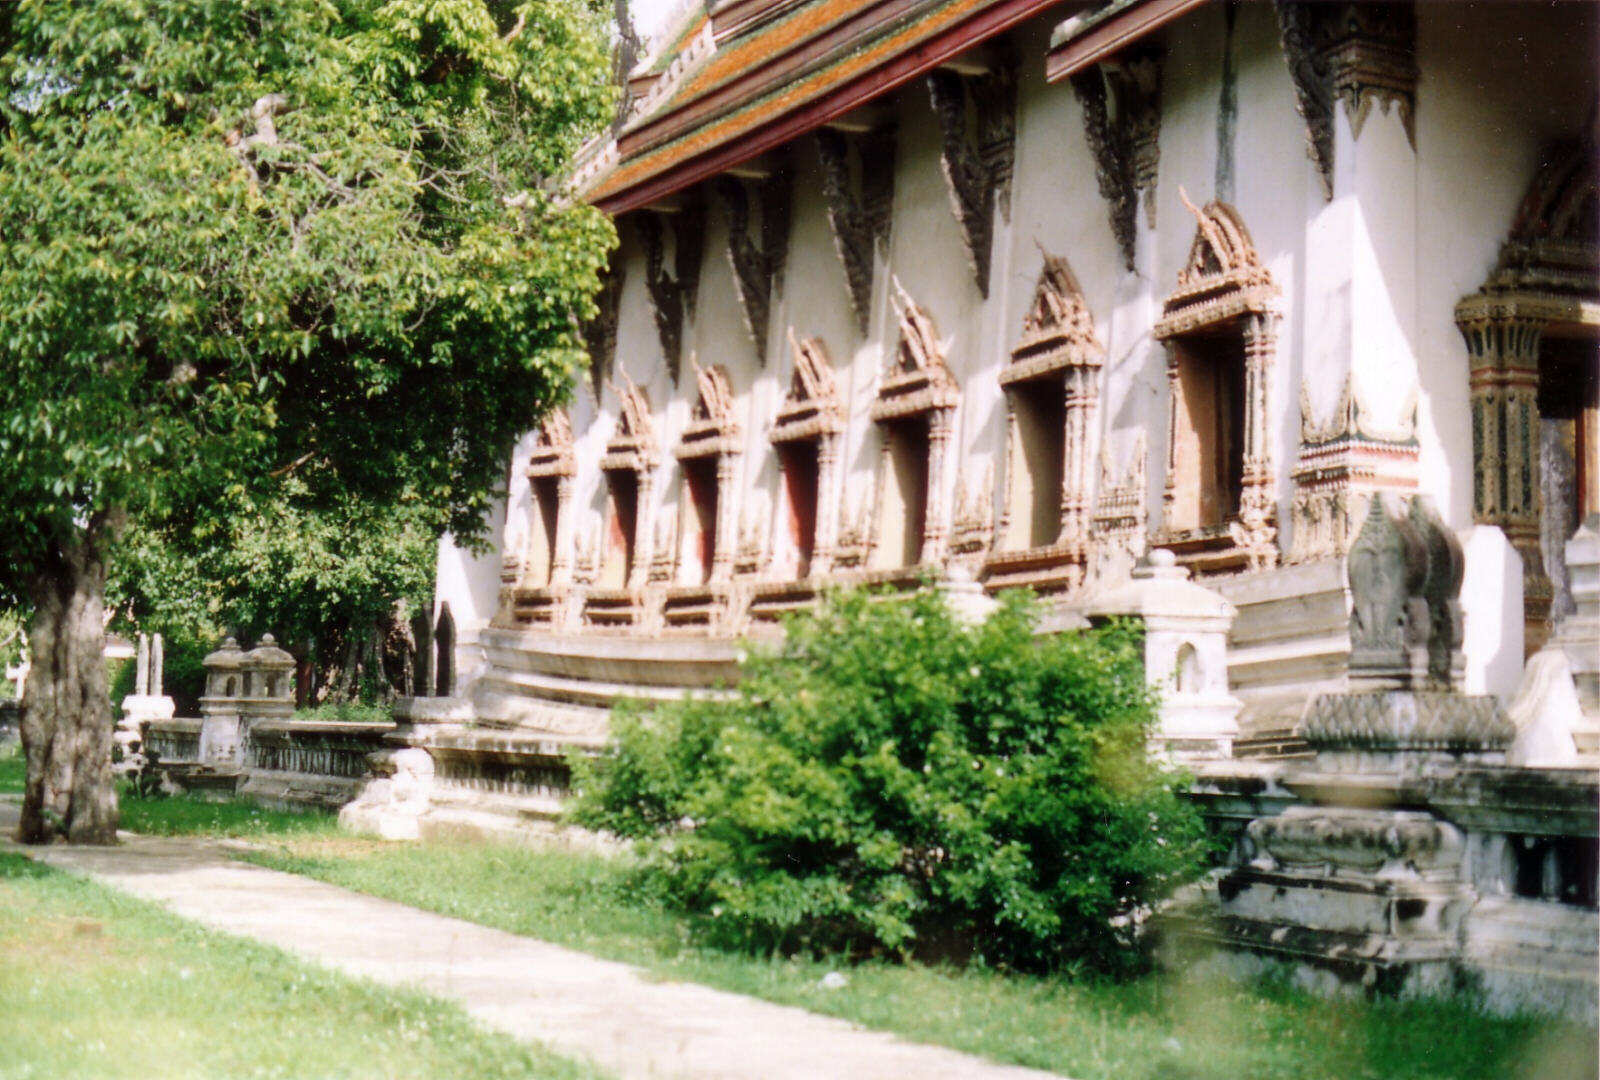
<point>187,815</point>
<point>96,984</point>
<point>1164,1027</point>
<point>13,769</point>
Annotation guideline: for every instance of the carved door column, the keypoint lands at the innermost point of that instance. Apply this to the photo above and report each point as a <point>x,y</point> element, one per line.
<point>1082,394</point>
<point>722,557</point>
<point>561,557</point>
<point>1257,504</point>
<point>827,510</point>
<point>941,422</point>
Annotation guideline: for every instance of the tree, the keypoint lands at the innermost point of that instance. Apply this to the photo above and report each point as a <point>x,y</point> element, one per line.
<point>245,241</point>
<point>328,572</point>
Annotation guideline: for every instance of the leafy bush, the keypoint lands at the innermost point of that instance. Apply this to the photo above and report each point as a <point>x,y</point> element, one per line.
<point>891,780</point>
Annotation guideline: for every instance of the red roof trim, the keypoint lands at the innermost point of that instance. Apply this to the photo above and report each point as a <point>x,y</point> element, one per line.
<point>1116,33</point>
<point>978,27</point>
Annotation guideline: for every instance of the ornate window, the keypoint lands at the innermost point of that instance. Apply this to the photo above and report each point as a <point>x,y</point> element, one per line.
<point>708,453</point>
<point>915,409</point>
<point>806,438</point>
<point>541,575</point>
<point>1052,390</point>
<point>1220,327</point>
<point>1531,334</point>
<point>629,468</point>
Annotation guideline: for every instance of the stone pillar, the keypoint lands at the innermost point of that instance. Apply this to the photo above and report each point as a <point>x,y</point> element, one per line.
<point>827,508</point>
<point>1185,655</point>
<point>221,741</point>
<point>727,518</point>
<point>1257,531</point>
<point>936,516</point>
<point>141,675</point>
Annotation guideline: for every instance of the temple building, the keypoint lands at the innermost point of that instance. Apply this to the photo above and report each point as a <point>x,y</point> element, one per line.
<point>1018,291</point>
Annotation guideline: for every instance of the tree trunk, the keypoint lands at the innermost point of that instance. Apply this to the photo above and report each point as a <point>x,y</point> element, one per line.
<point>66,706</point>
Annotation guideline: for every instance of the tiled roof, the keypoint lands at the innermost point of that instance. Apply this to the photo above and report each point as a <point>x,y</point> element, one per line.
<point>788,67</point>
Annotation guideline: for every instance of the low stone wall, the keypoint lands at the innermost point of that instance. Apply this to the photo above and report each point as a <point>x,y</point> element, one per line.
<point>174,741</point>
<point>309,763</point>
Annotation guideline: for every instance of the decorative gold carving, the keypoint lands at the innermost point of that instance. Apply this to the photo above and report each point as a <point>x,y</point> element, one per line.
<point>1359,53</point>
<point>917,380</point>
<point>713,427</point>
<point>973,529</point>
<point>978,174</point>
<point>811,408</point>
<point>633,443</point>
<point>751,557</point>
<point>855,536</point>
<point>1121,101</point>
<point>1119,516</point>
<point>552,446</point>
<point>860,224</point>
<point>1058,331</point>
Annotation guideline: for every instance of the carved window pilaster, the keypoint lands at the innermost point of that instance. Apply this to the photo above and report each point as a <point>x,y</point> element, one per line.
<point>629,466</point>
<point>713,432</point>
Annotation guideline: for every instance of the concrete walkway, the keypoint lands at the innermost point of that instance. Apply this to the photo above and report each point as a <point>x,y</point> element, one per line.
<point>615,1015</point>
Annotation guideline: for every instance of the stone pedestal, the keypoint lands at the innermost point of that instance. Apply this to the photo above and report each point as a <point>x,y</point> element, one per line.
<point>221,741</point>
<point>1185,655</point>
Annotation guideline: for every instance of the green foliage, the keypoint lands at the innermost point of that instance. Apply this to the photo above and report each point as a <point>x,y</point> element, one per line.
<point>13,769</point>
<point>247,241</point>
<point>893,779</point>
<point>346,712</point>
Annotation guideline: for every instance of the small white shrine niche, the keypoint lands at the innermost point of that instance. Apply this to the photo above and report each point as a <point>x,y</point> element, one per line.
<point>1185,656</point>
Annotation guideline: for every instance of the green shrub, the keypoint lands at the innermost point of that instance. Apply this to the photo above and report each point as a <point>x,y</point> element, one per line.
<point>890,780</point>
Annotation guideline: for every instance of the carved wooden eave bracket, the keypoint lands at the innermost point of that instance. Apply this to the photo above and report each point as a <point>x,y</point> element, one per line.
<point>712,428</point>
<point>1223,279</point>
<point>600,332</point>
<point>978,171</point>
<point>858,215</point>
<point>1121,101</point>
<point>672,298</point>
<point>552,447</point>
<point>917,380</point>
<point>1362,54</point>
<point>633,444</point>
<point>1058,330</point>
<point>811,409</point>
<point>757,269</point>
